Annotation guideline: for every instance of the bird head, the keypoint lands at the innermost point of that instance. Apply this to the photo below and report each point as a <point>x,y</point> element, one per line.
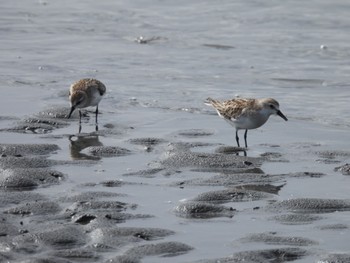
<point>273,107</point>
<point>78,99</point>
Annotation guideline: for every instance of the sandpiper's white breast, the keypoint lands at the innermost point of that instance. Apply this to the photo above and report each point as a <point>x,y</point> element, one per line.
<point>95,98</point>
<point>252,121</point>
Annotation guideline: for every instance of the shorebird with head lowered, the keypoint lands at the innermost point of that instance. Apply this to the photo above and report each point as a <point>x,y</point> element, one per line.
<point>246,114</point>
<point>86,93</point>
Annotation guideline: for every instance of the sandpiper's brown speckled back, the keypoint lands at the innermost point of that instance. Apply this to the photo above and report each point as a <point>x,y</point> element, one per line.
<point>88,86</point>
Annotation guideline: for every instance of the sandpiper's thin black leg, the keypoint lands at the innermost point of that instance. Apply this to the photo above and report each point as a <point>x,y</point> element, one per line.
<point>237,138</point>
<point>245,138</point>
<point>96,114</point>
<point>79,128</point>
<point>80,116</point>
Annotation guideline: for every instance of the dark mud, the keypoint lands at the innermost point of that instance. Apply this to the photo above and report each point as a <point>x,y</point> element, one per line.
<point>76,226</point>
<point>296,219</point>
<point>203,210</point>
<point>344,169</point>
<point>27,149</point>
<point>90,222</point>
<point>311,205</point>
<point>274,239</point>
<point>106,151</point>
<point>335,258</point>
<point>180,155</point>
<point>231,195</point>
<point>260,256</point>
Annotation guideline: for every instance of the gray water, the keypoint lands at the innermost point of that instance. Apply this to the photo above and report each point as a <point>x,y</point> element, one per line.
<point>294,51</point>
<point>275,52</point>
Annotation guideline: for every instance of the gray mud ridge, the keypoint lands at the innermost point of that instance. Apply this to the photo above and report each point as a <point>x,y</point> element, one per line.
<point>111,238</point>
<point>344,169</point>
<point>12,162</point>
<point>147,173</point>
<point>335,258</point>
<point>180,156</point>
<point>38,127</point>
<point>248,178</point>
<point>195,133</point>
<point>33,156</point>
<point>27,149</point>
<point>108,183</point>
<point>274,239</point>
<point>296,219</point>
<point>25,166</point>
<point>206,205</point>
<point>265,188</point>
<point>333,227</point>
<point>59,238</point>
<point>101,205</point>
<point>203,210</point>
<point>43,122</point>
<point>87,210</point>
<point>279,255</point>
<point>40,230</point>
<point>10,198</point>
<point>333,154</point>
<point>148,141</point>
<point>25,162</point>
<point>73,228</point>
<point>55,117</point>
<point>87,146</point>
<point>231,179</point>
<point>164,249</point>
<point>310,205</point>
<point>28,178</point>
<point>88,196</point>
<point>106,151</point>
<point>330,157</point>
<point>231,195</point>
<point>84,255</point>
<point>96,219</point>
<point>35,208</point>
<point>234,170</point>
<point>58,112</point>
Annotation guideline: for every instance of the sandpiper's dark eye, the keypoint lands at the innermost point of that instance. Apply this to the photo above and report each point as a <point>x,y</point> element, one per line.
<point>272,107</point>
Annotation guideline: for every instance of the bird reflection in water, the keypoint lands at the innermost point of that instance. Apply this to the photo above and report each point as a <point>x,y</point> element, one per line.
<point>238,151</point>
<point>80,142</point>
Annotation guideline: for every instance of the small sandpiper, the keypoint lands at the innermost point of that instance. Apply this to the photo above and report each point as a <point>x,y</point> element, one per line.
<point>85,93</point>
<point>246,114</point>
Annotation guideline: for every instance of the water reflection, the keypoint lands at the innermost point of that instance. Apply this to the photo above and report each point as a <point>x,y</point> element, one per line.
<point>239,151</point>
<point>81,141</point>
<point>79,131</point>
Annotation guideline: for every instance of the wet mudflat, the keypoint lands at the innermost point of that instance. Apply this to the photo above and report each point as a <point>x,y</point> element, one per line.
<point>161,180</point>
<point>183,196</point>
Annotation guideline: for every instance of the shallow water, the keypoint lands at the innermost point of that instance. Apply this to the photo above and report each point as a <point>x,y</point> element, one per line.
<point>297,53</point>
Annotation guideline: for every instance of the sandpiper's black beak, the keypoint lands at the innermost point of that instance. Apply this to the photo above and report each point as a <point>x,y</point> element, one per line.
<point>279,113</point>
<point>71,111</point>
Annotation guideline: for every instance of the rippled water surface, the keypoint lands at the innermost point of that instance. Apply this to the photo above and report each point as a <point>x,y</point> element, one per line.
<point>294,51</point>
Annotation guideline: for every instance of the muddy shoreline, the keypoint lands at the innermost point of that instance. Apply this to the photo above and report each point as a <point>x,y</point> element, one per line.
<point>91,225</point>
<point>161,180</point>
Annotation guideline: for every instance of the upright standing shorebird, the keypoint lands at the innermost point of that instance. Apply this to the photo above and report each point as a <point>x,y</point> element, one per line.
<point>246,114</point>
<point>85,93</point>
